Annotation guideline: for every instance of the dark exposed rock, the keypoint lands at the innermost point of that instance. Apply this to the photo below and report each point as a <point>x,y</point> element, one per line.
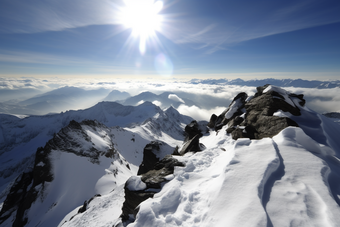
<point>155,177</point>
<point>192,130</point>
<point>176,151</point>
<point>191,145</point>
<point>149,157</point>
<point>16,195</point>
<point>235,108</point>
<point>153,180</point>
<point>212,121</point>
<point>258,121</point>
<point>235,121</point>
<point>130,205</point>
<point>26,188</point>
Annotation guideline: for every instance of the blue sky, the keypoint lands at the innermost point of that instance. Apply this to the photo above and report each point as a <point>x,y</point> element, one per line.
<point>193,38</point>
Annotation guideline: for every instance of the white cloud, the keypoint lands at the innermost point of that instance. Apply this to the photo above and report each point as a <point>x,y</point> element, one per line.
<point>198,113</point>
<point>140,102</point>
<point>157,103</point>
<point>38,16</point>
<point>174,97</point>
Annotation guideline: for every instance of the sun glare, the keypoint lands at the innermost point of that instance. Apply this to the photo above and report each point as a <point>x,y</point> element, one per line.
<point>142,17</point>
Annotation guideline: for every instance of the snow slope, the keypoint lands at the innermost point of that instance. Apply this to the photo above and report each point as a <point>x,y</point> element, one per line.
<point>292,179</point>
<point>20,137</point>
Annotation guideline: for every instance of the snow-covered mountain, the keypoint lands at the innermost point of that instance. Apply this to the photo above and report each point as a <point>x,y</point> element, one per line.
<point>20,137</point>
<point>164,100</point>
<point>116,95</point>
<point>277,82</point>
<point>267,160</point>
<point>55,101</point>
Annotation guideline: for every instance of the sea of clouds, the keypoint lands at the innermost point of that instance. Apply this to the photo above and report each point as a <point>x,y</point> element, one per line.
<point>208,98</point>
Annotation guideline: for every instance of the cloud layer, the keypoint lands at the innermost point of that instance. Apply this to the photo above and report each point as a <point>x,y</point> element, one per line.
<point>209,99</point>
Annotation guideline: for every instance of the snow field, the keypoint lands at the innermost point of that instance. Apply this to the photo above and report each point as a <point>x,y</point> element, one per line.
<point>216,187</point>
<point>283,181</point>
<point>101,211</point>
<point>302,197</point>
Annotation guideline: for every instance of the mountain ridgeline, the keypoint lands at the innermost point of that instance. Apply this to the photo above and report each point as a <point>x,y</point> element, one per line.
<point>267,160</point>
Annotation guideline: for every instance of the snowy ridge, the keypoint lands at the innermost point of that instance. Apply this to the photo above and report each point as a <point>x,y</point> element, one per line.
<point>267,182</point>
<point>20,137</point>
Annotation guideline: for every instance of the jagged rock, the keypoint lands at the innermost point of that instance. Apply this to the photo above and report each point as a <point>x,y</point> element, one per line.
<point>153,180</point>
<point>234,109</point>
<point>192,130</point>
<point>212,121</point>
<point>255,118</point>
<point>155,177</point>
<point>22,196</point>
<point>259,114</point>
<point>16,195</point>
<point>191,145</point>
<point>149,157</point>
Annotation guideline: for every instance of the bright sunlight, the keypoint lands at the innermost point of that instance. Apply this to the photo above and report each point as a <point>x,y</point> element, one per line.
<point>142,17</point>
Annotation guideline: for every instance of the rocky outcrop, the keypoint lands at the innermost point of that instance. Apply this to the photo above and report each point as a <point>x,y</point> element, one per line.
<point>192,129</point>
<point>191,143</point>
<point>145,187</point>
<point>263,115</point>
<point>149,157</point>
<point>235,109</point>
<point>154,178</point>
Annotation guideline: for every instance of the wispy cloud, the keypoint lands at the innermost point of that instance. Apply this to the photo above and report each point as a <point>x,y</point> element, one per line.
<point>20,16</point>
<point>38,58</point>
<point>252,22</point>
<point>210,33</point>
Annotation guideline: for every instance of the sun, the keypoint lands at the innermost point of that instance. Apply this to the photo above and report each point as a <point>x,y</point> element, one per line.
<point>143,18</point>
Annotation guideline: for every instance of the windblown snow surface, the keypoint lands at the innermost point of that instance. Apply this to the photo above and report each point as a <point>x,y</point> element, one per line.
<point>292,179</point>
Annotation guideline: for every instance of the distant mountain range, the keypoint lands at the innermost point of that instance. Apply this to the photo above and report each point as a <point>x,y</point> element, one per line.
<point>277,82</point>
<point>73,98</point>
